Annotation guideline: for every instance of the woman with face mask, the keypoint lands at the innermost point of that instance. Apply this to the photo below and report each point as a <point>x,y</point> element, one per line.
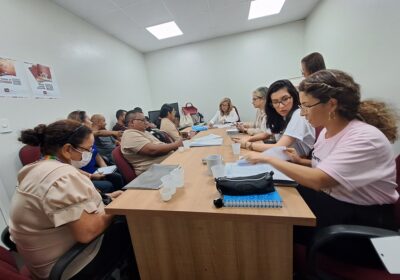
<point>56,206</point>
<point>88,165</point>
<point>284,121</point>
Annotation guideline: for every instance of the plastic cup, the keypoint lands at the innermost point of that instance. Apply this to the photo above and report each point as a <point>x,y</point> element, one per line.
<point>236,148</point>
<point>213,160</point>
<point>181,149</point>
<point>168,183</point>
<point>166,194</point>
<point>218,170</point>
<point>178,177</point>
<point>186,144</point>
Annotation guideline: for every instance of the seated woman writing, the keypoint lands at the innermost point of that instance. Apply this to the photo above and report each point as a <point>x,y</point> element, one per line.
<point>260,124</point>
<point>225,114</point>
<point>352,179</point>
<point>55,206</point>
<point>284,121</point>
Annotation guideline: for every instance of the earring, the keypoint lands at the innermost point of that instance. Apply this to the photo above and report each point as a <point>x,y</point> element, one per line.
<point>331,116</point>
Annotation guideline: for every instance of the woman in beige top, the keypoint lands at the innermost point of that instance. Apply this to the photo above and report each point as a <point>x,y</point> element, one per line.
<point>55,206</point>
<point>260,124</point>
<point>167,115</point>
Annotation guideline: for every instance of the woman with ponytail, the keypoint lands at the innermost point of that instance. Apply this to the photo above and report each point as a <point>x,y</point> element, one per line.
<point>352,177</point>
<point>55,206</point>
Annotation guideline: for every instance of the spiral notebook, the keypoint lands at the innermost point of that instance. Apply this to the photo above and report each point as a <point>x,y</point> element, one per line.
<point>268,200</point>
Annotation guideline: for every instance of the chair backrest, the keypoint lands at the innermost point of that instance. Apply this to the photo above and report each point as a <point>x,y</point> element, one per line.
<point>9,268</point>
<point>123,165</point>
<point>29,154</point>
<point>237,112</point>
<point>162,136</point>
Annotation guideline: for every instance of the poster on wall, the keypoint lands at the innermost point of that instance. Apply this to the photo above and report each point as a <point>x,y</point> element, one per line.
<point>42,81</point>
<point>12,79</point>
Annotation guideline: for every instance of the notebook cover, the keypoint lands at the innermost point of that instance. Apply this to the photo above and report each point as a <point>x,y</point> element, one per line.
<point>268,200</point>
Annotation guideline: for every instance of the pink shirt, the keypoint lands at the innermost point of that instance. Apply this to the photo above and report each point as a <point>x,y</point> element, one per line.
<point>360,158</point>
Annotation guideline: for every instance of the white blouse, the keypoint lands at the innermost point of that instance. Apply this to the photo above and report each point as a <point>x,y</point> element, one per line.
<point>219,119</point>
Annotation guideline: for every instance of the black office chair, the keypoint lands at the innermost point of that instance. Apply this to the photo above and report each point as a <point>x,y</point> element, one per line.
<point>63,262</point>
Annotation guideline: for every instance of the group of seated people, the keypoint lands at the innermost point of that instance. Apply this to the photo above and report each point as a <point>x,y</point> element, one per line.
<point>346,176</point>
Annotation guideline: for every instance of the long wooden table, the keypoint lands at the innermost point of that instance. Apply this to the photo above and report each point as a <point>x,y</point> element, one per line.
<point>188,238</point>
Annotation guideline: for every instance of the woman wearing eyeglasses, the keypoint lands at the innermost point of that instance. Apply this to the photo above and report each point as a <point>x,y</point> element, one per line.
<point>55,206</point>
<point>284,121</point>
<point>91,159</point>
<point>259,125</point>
<point>352,178</point>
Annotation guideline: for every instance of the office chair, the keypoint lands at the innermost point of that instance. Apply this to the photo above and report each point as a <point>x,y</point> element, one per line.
<point>127,172</point>
<point>237,112</point>
<point>29,154</point>
<point>9,270</point>
<point>317,265</point>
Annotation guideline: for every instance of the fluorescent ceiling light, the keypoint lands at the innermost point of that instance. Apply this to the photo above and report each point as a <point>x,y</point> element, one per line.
<point>262,8</point>
<point>165,30</point>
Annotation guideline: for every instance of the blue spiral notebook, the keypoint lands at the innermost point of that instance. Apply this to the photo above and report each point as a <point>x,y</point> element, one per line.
<point>268,200</point>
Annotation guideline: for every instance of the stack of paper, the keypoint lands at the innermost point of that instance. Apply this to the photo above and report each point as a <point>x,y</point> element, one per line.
<point>209,140</point>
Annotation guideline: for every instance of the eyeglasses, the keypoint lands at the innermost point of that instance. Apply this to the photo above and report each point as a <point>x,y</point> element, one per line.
<point>305,108</point>
<point>87,150</point>
<point>284,101</point>
<point>256,98</point>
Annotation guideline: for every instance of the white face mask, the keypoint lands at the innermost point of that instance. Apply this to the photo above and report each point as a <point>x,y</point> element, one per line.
<point>86,157</point>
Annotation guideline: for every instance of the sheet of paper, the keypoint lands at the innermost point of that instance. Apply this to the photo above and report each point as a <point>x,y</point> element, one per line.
<point>226,125</point>
<point>208,140</point>
<point>107,169</point>
<point>388,249</point>
<point>277,152</point>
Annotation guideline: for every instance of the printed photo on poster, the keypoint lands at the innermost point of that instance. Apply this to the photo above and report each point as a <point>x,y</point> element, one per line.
<point>12,82</point>
<point>42,81</point>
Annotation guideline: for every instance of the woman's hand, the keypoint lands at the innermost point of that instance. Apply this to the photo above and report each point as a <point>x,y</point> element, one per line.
<point>115,194</point>
<point>294,156</point>
<point>97,176</point>
<point>255,157</point>
<point>241,127</point>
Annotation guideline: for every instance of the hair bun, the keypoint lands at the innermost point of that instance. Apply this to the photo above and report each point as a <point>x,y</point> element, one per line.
<point>33,137</point>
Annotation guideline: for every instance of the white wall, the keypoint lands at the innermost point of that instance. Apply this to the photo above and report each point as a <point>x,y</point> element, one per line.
<point>95,72</point>
<point>362,38</point>
<point>232,66</point>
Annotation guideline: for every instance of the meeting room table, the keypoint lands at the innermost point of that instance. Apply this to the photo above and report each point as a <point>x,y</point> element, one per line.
<point>188,238</point>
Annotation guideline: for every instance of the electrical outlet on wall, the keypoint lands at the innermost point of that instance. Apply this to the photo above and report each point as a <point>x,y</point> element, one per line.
<point>5,126</point>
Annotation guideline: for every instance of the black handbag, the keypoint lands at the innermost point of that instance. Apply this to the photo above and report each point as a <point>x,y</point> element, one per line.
<point>249,185</point>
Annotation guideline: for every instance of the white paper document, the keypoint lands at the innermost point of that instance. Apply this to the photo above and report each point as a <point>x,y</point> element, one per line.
<point>388,249</point>
<point>242,169</point>
<point>208,140</point>
<point>106,170</point>
<point>225,125</point>
<point>277,152</point>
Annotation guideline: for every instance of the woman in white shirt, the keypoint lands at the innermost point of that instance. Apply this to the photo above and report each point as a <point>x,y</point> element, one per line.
<point>284,120</point>
<point>259,125</point>
<point>225,114</point>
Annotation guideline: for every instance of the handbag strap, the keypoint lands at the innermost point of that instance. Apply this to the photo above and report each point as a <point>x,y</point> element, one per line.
<point>187,103</point>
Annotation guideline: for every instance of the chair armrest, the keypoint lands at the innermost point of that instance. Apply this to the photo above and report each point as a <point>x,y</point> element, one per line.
<point>330,233</point>
<point>63,262</point>
<point>5,238</point>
